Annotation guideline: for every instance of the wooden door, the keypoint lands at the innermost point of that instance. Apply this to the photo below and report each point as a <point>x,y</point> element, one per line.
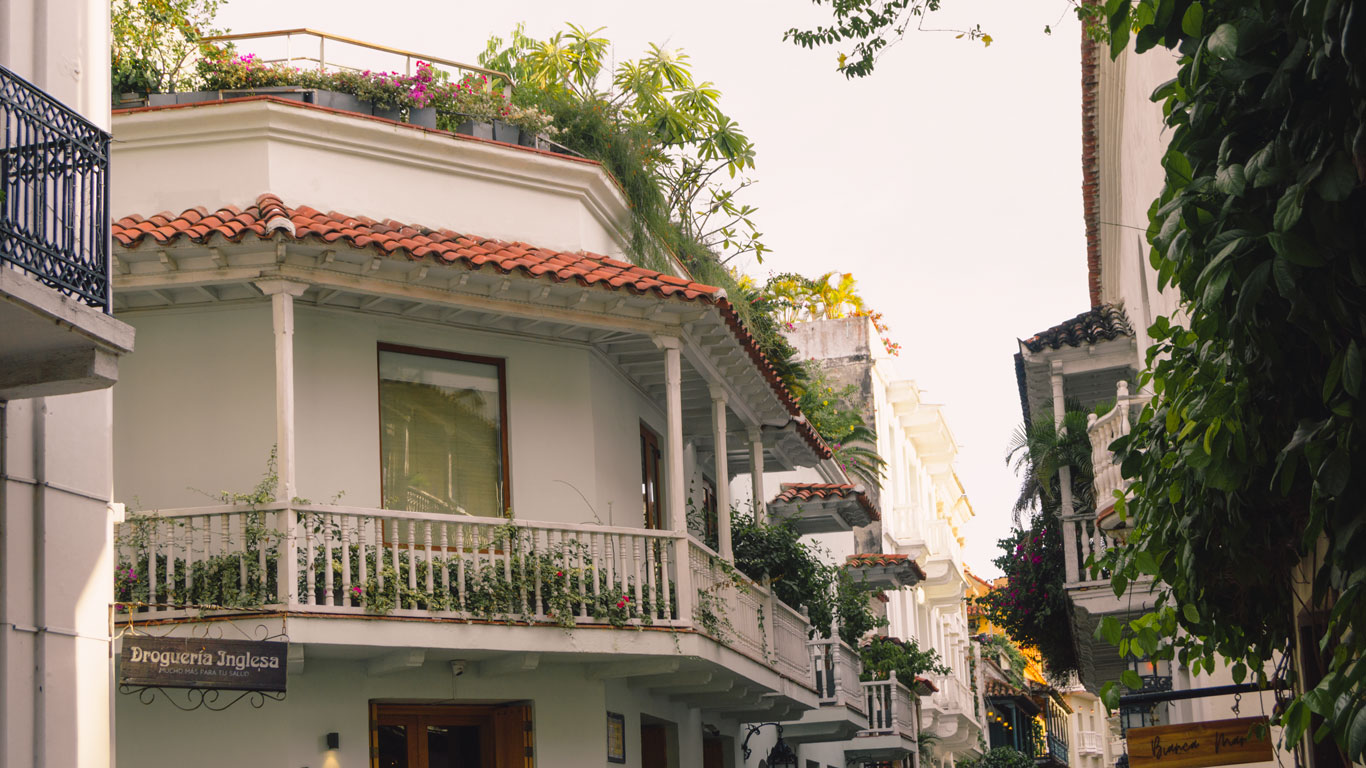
<point>651,490</point>
<point>713,753</point>
<point>654,746</point>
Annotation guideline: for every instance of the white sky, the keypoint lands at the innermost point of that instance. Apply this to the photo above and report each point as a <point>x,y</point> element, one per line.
<point>948,182</point>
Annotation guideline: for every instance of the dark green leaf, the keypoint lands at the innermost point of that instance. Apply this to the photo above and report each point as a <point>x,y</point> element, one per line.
<point>1295,249</point>
<point>1231,180</point>
<point>1333,474</point>
<point>1289,208</point>
<point>1192,615</point>
<point>1356,736</point>
<point>1190,22</point>
<point>1131,680</point>
<point>1351,369</point>
<point>1224,42</point>
<point>1119,583</point>
<point>1338,180</point>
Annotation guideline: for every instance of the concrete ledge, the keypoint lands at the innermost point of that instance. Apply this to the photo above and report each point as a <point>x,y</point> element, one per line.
<point>53,344</point>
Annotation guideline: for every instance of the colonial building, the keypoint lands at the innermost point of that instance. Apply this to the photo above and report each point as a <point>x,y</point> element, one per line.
<point>403,403</point>
<point>60,351</point>
<point>1095,357</point>
<point>903,536</point>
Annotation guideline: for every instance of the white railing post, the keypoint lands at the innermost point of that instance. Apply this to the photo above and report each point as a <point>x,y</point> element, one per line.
<point>756,472</point>
<point>722,469</point>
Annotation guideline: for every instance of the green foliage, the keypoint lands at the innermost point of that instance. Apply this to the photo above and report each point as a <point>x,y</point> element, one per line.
<point>1032,607</point>
<point>836,416</point>
<point>1243,464</point>
<point>800,578</point>
<point>155,43</point>
<point>1000,757</point>
<point>695,154</point>
<point>883,655</point>
<point>1000,646</point>
<point>872,26</point>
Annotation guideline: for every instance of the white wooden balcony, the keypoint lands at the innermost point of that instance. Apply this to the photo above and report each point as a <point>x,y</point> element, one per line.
<point>1103,430</point>
<point>1089,743</point>
<point>893,723</point>
<point>330,562</point>
<point>842,712</point>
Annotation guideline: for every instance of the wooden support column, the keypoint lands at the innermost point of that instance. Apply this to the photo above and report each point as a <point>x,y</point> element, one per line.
<point>756,473</point>
<point>282,293</point>
<point>1071,564</point>
<point>675,498</point>
<point>718,412</point>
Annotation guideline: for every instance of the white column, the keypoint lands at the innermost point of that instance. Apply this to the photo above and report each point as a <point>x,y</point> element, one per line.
<point>282,293</point>
<point>756,472</point>
<point>718,413</point>
<point>675,493</point>
<point>1071,565</point>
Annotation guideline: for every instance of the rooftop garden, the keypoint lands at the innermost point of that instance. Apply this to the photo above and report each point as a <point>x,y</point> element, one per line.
<point>681,162</point>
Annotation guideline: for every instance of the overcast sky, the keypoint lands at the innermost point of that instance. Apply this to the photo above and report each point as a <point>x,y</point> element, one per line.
<point>948,182</point>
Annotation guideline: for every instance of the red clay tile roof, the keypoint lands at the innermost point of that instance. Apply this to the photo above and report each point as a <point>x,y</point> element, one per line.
<point>822,491</point>
<point>269,217</point>
<point>1104,323</point>
<point>883,560</point>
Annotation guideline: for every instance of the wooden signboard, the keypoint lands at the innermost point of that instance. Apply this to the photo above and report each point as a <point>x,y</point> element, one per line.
<point>1198,745</point>
<point>182,662</point>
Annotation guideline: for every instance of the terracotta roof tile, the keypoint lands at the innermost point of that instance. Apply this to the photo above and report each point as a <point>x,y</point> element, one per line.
<point>883,560</point>
<point>791,492</point>
<point>1104,323</point>
<point>472,251</point>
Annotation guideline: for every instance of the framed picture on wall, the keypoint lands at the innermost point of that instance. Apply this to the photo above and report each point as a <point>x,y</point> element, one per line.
<point>616,738</point>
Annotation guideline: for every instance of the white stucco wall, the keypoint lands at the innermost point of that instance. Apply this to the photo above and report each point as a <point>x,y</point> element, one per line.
<point>61,46</point>
<point>57,572</point>
<point>314,158</point>
<point>197,410</point>
<point>1132,143</point>
<point>332,695</point>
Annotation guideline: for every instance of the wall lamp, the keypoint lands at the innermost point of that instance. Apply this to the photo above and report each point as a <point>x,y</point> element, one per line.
<point>781,756</point>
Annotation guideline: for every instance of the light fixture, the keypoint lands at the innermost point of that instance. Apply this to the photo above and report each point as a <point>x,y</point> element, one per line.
<point>333,740</point>
<point>781,756</point>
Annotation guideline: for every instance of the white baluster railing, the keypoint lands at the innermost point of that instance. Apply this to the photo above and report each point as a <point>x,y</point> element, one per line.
<point>1104,430</point>
<point>891,708</point>
<point>836,667</point>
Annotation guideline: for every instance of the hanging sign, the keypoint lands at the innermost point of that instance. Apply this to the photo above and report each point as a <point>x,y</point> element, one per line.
<point>1198,745</point>
<point>189,662</point>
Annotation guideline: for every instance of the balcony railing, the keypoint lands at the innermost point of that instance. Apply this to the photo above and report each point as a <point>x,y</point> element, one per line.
<point>1088,743</point>
<point>54,193</point>
<point>1104,430</point>
<point>891,708</point>
<point>836,667</point>
<point>954,696</point>
<point>349,560</point>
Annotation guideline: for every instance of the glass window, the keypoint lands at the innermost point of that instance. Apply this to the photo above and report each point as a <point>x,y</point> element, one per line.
<point>443,441</point>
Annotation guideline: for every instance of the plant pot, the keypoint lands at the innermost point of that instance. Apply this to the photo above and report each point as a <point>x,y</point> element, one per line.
<point>506,132</point>
<point>425,117</point>
<point>129,100</point>
<point>527,139</point>
<point>392,113</point>
<point>291,92</point>
<point>342,101</point>
<point>476,129</point>
<point>161,99</point>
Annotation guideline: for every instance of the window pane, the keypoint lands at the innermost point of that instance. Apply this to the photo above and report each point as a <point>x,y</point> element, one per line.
<point>453,746</point>
<point>393,746</point>
<point>441,440</point>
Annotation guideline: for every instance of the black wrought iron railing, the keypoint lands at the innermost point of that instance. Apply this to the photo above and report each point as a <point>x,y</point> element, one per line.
<point>54,193</point>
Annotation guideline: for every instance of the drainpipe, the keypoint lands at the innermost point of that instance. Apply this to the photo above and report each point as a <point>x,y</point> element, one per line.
<point>39,582</point>
<point>756,472</point>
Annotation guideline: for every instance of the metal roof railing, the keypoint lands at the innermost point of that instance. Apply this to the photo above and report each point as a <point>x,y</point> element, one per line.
<point>313,50</point>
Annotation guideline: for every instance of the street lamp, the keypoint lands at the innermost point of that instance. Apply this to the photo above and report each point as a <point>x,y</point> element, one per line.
<point>781,756</point>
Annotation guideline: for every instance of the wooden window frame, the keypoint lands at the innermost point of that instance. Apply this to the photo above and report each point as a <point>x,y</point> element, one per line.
<point>417,717</point>
<point>499,363</point>
<point>650,439</point>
